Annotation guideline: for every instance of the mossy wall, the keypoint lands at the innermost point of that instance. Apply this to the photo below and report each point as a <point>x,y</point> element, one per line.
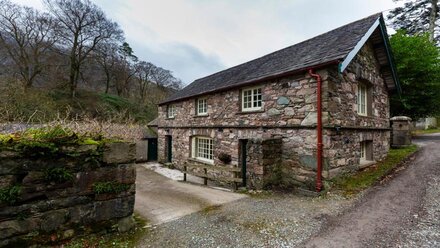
<point>51,190</point>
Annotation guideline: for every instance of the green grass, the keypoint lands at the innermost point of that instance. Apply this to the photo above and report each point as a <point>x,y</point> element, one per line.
<point>351,184</point>
<point>111,240</point>
<point>427,131</point>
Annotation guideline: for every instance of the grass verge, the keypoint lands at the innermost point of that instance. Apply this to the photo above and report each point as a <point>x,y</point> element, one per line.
<point>427,131</point>
<point>121,240</point>
<point>351,184</point>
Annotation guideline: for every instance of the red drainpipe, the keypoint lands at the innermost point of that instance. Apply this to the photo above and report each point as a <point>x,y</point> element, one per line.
<point>319,130</point>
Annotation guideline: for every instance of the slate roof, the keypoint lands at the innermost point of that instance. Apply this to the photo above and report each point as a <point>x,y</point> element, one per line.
<point>329,47</point>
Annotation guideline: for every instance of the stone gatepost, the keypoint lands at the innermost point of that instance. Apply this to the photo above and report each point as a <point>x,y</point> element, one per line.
<point>401,131</point>
<point>264,161</point>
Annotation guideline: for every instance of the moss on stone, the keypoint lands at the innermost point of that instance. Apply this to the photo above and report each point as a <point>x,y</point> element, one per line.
<point>10,195</point>
<point>48,141</point>
<point>89,141</point>
<point>58,175</point>
<point>109,187</point>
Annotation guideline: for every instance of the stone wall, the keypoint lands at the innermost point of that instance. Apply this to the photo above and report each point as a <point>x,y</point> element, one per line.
<point>340,97</point>
<point>80,189</point>
<point>264,162</point>
<point>289,112</point>
<point>342,148</point>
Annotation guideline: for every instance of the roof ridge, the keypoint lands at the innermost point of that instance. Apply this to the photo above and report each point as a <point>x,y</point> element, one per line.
<point>285,48</point>
<point>332,45</point>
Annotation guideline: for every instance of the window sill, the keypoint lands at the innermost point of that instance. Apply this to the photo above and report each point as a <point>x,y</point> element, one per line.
<point>169,118</point>
<point>250,112</point>
<point>366,116</point>
<point>366,163</point>
<point>198,116</point>
<point>201,161</point>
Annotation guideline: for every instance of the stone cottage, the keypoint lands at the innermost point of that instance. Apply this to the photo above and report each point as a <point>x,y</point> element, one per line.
<point>319,107</point>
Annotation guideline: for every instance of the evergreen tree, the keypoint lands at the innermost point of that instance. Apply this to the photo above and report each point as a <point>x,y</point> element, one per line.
<point>417,16</point>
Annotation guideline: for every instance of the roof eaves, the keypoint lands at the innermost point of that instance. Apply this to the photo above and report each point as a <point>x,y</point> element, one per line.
<point>257,80</point>
<point>390,56</point>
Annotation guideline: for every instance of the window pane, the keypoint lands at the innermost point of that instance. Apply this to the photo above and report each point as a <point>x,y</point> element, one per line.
<point>204,148</point>
<point>252,99</point>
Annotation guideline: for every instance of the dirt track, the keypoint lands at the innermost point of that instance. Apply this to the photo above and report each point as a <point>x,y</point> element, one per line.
<point>389,210</point>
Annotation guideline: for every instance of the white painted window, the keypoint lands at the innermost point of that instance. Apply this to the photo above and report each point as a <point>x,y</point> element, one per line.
<point>202,106</point>
<point>203,149</point>
<point>362,99</point>
<point>171,111</point>
<point>251,99</point>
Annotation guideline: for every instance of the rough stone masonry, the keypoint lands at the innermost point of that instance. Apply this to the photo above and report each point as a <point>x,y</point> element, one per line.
<point>89,189</point>
<point>289,113</point>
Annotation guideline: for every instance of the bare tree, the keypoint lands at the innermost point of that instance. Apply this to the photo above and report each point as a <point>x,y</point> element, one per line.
<point>144,74</point>
<point>165,79</point>
<point>107,57</point>
<point>83,27</point>
<point>26,35</point>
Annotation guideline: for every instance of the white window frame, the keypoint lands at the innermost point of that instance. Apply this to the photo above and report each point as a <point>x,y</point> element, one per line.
<point>203,149</point>
<point>253,101</point>
<point>362,101</point>
<point>171,111</point>
<point>202,107</point>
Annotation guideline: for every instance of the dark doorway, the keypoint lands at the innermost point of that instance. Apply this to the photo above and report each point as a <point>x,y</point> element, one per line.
<point>169,147</point>
<point>243,157</point>
<point>152,149</point>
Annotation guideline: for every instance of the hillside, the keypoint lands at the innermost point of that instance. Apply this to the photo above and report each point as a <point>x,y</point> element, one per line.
<point>70,61</point>
<point>43,105</point>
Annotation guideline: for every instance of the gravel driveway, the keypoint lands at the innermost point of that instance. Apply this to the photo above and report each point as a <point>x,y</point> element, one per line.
<point>403,212</point>
<point>270,221</point>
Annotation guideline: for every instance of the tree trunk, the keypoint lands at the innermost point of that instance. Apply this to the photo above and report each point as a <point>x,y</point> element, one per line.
<point>432,19</point>
<point>72,75</point>
<point>107,81</point>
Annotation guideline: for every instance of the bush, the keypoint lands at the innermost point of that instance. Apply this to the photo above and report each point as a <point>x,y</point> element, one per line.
<point>42,106</point>
<point>32,105</point>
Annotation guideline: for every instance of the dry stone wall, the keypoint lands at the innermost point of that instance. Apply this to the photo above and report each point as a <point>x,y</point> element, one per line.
<point>81,189</point>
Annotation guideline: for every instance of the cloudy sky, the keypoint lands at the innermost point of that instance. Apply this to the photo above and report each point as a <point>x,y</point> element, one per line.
<point>195,38</point>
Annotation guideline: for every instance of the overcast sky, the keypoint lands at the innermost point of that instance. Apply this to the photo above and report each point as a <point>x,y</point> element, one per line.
<point>195,38</point>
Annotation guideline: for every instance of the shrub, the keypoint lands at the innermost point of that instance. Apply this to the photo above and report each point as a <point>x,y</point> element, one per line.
<point>32,105</point>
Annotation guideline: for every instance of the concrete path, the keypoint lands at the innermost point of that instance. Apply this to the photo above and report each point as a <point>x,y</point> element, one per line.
<point>160,199</point>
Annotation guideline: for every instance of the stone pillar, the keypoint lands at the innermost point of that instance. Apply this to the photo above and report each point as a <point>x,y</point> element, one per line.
<point>263,162</point>
<point>401,131</point>
<point>430,122</point>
